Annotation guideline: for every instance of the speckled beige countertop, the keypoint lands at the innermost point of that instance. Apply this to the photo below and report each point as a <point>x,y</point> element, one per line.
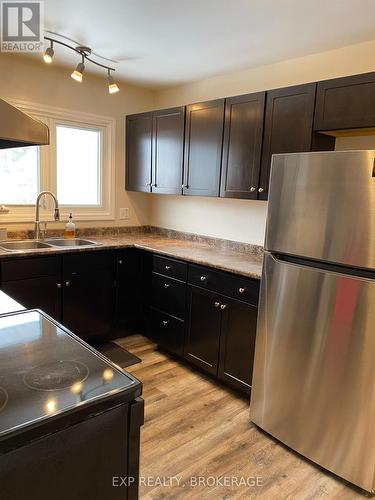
<point>242,263</point>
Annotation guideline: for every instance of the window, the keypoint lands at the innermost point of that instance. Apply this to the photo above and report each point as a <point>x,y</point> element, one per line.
<point>19,176</point>
<point>78,166</point>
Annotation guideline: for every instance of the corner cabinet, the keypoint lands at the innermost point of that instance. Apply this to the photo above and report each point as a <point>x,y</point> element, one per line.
<point>138,152</point>
<point>154,151</point>
<point>203,148</point>
<point>242,146</point>
<point>288,126</point>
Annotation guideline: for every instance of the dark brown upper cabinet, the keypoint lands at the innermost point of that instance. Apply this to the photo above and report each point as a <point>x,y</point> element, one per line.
<point>168,150</point>
<point>288,126</point>
<point>203,148</point>
<point>345,103</point>
<point>138,152</point>
<point>242,146</point>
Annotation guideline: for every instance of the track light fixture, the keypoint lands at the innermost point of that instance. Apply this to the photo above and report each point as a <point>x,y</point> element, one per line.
<point>85,53</point>
<point>77,74</point>
<point>48,54</point>
<point>112,86</point>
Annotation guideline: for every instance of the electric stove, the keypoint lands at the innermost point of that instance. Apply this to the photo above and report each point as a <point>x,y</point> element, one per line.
<point>69,418</point>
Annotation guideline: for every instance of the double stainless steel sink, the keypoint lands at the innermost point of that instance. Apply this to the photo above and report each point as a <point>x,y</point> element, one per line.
<point>16,245</point>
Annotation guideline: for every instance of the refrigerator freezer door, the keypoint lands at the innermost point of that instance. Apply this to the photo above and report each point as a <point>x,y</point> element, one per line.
<point>322,206</point>
<point>314,372</point>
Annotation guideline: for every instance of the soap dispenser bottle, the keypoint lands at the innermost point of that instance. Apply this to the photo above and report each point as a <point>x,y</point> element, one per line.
<point>70,228</point>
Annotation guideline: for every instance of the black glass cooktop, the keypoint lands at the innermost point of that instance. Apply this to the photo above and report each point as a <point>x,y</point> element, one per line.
<point>44,370</point>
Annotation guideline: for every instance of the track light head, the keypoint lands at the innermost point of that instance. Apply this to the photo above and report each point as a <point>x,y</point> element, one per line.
<point>112,86</point>
<point>48,54</point>
<point>77,74</point>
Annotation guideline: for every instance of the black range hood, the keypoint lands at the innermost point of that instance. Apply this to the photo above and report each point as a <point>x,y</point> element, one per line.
<point>18,129</point>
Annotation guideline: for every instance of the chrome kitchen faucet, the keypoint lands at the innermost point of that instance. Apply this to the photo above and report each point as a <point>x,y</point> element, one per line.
<point>56,214</point>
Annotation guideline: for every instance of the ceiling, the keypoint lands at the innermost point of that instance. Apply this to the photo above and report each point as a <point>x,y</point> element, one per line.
<point>169,42</point>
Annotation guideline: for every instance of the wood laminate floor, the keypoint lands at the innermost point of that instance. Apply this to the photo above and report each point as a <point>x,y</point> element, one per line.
<point>196,429</point>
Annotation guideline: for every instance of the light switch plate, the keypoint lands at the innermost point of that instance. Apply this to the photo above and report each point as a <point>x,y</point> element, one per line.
<point>124,213</point>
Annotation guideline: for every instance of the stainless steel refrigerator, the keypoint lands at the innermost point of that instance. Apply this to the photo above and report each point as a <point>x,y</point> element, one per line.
<point>314,372</point>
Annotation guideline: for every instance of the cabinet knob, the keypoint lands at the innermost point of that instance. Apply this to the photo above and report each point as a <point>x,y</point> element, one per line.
<point>120,262</point>
<point>168,268</point>
<point>59,285</point>
<point>260,190</point>
<point>184,186</point>
<point>242,290</point>
<point>165,322</point>
<point>167,285</point>
<point>203,278</point>
<point>217,304</point>
<point>252,189</point>
<point>148,184</point>
<point>223,306</point>
<point>154,185</point>
<point>67,283</point>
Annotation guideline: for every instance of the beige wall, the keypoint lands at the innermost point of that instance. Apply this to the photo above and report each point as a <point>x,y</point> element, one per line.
<point>237,219</point>
<point>33,81</point>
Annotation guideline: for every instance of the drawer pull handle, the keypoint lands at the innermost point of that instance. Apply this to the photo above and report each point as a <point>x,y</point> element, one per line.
<point>217,304</point>
<point>165,322</point>
<point>203,278</point>
<point>242,290</point>
<point>67,283</point>
<point>168,268</point>
<point>59,285</point>
<point>167,285</point>
<point>223,307</point>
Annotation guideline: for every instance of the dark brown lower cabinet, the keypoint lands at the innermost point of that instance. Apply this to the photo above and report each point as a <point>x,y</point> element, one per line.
<point>37,293</point>
<point>129,271</point>
<point>88,294</point>
<point>203,332</point>
<point>237,344</point>
<point>220,337</point>
<point>34,282</point>
<point>167,331</point>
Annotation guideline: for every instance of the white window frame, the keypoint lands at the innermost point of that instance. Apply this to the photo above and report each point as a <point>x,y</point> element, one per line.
<point>53,116</point>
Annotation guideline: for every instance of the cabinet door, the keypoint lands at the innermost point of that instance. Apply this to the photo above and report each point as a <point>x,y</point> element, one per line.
<point>167,331</point>
<point>203,332</point>
<point>129,286</point>
<point>343,103</point>
<point>287,126</point>
<point>237,343</point>
<point>138,152</point>
<point>88,294</point>
<point>37,293</point>
<point>203,147</point>
<point>243,129</point>
<point>168,150</point>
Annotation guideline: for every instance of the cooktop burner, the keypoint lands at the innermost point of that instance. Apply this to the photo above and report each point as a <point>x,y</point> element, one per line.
<point>57,375</point>
<point>3,398</point>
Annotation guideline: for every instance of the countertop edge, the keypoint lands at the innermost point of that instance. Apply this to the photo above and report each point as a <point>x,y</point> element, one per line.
<point>116,245</point>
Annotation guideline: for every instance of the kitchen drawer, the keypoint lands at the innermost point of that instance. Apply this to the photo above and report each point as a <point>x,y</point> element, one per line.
<point>167,331</point>
<point>169,267</point>
<point>76,264</point>
<point>168,295</point>
<point>245,289</point>
<point>35,267</point>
